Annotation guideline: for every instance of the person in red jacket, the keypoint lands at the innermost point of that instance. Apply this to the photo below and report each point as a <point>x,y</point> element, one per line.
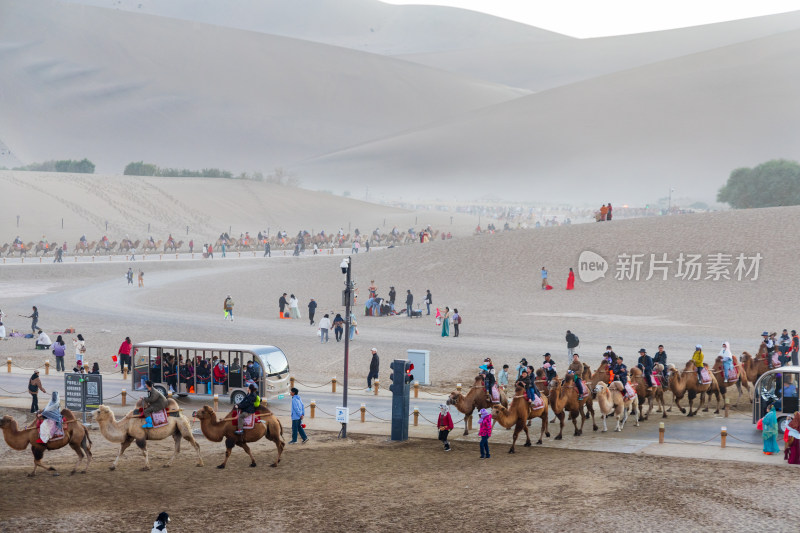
<point>445,425</point>
<point>220,373</point>
<point>124,353</point>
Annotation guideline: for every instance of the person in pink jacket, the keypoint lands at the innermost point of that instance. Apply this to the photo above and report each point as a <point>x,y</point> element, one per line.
<point>445,425</point>
<point>485,431</point>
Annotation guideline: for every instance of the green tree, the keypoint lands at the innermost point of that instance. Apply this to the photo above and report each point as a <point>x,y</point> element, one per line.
<point>771,184</point>
<point>140,168</point>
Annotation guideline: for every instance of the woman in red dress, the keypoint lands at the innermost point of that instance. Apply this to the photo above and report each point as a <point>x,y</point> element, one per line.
<point>571,280</point>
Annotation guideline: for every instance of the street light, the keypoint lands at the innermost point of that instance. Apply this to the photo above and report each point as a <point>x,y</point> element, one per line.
<point>347,296</point>
<point>669,205</point>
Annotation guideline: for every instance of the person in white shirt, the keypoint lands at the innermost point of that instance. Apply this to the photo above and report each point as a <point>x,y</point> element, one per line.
<point>43,340</point>
<point>324,326</point>
<point>293,307</point>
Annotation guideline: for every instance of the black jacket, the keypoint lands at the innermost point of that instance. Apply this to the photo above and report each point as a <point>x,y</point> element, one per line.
<point>661,357</point>
<point>409,299</point>
<point>392,296</point>
<point>374,364</point>
<point>572,340</point>
<point>646,362</point>
<point>282,302</point>
<point>312,307</point>
<point>551,372</point>
<point>248,405</point>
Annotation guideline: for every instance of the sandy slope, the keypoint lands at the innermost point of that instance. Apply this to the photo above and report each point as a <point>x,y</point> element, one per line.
<point>119,87</point>
<point>685,123</point>
<point>493,280</point>
<point>367,25</point>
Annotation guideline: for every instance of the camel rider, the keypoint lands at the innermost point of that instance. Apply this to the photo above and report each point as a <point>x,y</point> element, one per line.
<point>152,241</point>
<point>155,401</point>
<point>105,239</point>
<point>770,345</point>
<point>620,371</point>
<point>573,376</point>
<point>609,355</point>
<point>534,390</point>
<point>697,359</point>
<point>170,240</point>
<point>44,242</point>
<point>246,406</point>
<point>525,381</point>
<point>17,240</point>
<point>646,364</point>
<point>549,367</point>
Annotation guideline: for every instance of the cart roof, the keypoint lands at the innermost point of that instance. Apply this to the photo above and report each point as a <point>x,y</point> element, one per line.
<point>188,345</point>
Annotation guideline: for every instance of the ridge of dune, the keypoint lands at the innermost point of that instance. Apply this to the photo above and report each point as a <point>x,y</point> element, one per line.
<point>685,122</point>
<point>118,87</point>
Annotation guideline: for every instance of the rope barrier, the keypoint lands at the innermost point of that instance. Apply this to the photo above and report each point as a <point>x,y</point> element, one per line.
<point>688,442</point>
<point>9,392</point>
<point>313,386</point>
<point>375,416</point>
<point>24,367</point>
<point>744,441</point>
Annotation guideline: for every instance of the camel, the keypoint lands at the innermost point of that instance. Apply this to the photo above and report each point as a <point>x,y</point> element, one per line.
<point>105,246</point>
<point>21,249</point>
<point>718,371</point>
<point>683,381</point>
<point>645,393</point>
<point>82,247</point>
<point>129,429</point>
<point>147,245</point>
<point>216,430</point>
<point>475,399</point>
<point>42,247</point>
<point>3,249</point>
<point>75,435</point>
<point>601,375</point>
<point>611,399</point>
<point>517,413</point>
<point>755,366</point>
<point>174,245</point>
<point>127,245</point>
<point>564,398</point>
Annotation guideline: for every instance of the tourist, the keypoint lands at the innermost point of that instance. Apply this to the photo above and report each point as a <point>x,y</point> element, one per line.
<point>338,326</point>
<point>697,359</point>
<point>484,431</point>
<point>59,350</point>
<point>124,354</point>
<point>645,363</point>
<point>570,280</point>
<point>353,325</point>
<point>456,322</point>
<point>374,365</point>
<point>293,306</point>
<point>502,377</point>
<point>95,368</point>
<point>792,451</point>
<point>373,289</point>
<point>191,245</point>
<point>392,297</point>
<point>298,412</point>
<point>34,386</point>
<point>544,278</point>
<point>2,325</point>
<point>220,373</point>
<point>52,413</point>
<point>80,349</point>
<point>246,406</point>
<point>603,212</point>
<point>445,425</point>
<point>428,301</point>
<point>727,361</point>
<point>522,365</point>
<point>34,319</point>
<point>160,525</point>
<point>312,310</point>
<point>620,371</point>
<point>141,278</point>
<point>795,347</point>
<point>608,212</point>
<point>661,358</point>
<point>572,343</point>
<point>227,306</point>
<point>549,367</point>
<point>770,346</point>
<point>769,431</point>
<point>324,327</point>
<point>282,303</point>
<point>410,302</point>
<point>446,322</point>
<point>43,342</point>
<point>129,275</point>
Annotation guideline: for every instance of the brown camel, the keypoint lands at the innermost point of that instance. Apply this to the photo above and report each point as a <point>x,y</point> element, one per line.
<point>147,245</point>
<point>611,399</point>
<point>645,393</point>
<point>174,245</point>
<point>718,370</point>
<point>601,375</point>
<point>127,245</point>
<point>42,247</point>
<point>476,398</point>
<point>129,429</point>
<point>564,398</point>
<point>83,247</point>
<point>684,381</point>
<point>215,430</point>
<point>755,366</point>
<point>517,413</point>
<point>75,435</point>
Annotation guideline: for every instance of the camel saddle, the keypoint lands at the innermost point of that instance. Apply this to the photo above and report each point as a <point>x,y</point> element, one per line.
<point>249,420</point>
<point>57,433</point>
<point>733,375</point>
<point>656,380</point>
<point>538,403</point>
<point>630,392</point>
<point>586,391</point>
<point>706,375</point>
<point>160,418</point>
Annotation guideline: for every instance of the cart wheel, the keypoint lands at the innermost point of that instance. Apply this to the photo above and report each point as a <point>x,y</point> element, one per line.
<point>237,397</point>
<point>783,423</point>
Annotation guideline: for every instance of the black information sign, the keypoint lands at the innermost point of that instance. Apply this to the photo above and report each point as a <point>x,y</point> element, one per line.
<point>83,392</point>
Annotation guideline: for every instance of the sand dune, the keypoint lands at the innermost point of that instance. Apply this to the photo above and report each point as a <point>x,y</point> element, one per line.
<point>685,123</point>
<point>118,87</point>
<point>367,25</point>
<point>168,205</point>
<point>543,65</point>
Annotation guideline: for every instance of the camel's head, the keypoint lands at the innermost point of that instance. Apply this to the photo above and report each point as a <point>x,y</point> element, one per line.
<point>600,387</point>
<point>453,398</point>
<point>6,421</point>
<point>498,409</point>
<point>617,386</point>
<point>102,413</point>
<point>555,384</point>
<point>205,412</point>
<point>718,359</point>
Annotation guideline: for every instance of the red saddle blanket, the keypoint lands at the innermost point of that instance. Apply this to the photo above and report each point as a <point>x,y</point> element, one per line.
<point>630,392</point>
<point>656,381</point>
<point>586,391</point>
<point>733,375</point>
<point>160,418</point>
<point>249,420</point>
<point>537,403</point>
<point>57,433</point>
<point>706,376</point>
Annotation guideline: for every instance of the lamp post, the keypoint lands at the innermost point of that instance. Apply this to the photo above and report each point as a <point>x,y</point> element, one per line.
<point>669,205</point>
<point>348,296</point>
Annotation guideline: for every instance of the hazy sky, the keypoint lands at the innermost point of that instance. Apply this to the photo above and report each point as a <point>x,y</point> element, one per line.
<point>595,18</point>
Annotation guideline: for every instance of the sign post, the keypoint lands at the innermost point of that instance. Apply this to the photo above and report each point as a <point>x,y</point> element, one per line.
<point>82,392</point>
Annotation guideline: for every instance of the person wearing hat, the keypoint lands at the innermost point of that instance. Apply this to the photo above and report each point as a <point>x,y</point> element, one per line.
<point>549,367</point>
<point>795,347</point>
<point>228,306</point>
<point>620,370</point>
<point>312,309</point>
<point>646,364</point>
<point>374,365</point>
<point>34,386</point>
<point>784,347</point>
<point>697,359</point>
<point>770,346</point>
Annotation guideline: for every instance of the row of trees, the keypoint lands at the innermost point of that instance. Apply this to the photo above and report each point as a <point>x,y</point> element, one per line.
<point>771,184</point>
<point>84,166</point>
<point>278,176</point>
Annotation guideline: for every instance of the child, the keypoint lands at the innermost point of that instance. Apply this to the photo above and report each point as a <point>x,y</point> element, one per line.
<point>485,431</point>
<point>445,424</point>
<point>502,377</point>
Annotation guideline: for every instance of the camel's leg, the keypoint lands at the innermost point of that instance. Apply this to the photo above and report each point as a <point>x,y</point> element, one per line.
<point>560,417</point>
<point>86,444</point>
<point>603,416</point>
<point>176,437</point>
<point>527,434</point>
<point>590,411</point>
<point>186,433</point>
<point>676,401</point>
<point>122,447</point>
<point>467,419</point>
<point>77,448</point>
<point>543,419</point>
<point>246,448</point>
<point>229,444</point>
<point>640,401</point>
<point>142,444</point>
<point>517,430</point>
<point>574,417</point>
